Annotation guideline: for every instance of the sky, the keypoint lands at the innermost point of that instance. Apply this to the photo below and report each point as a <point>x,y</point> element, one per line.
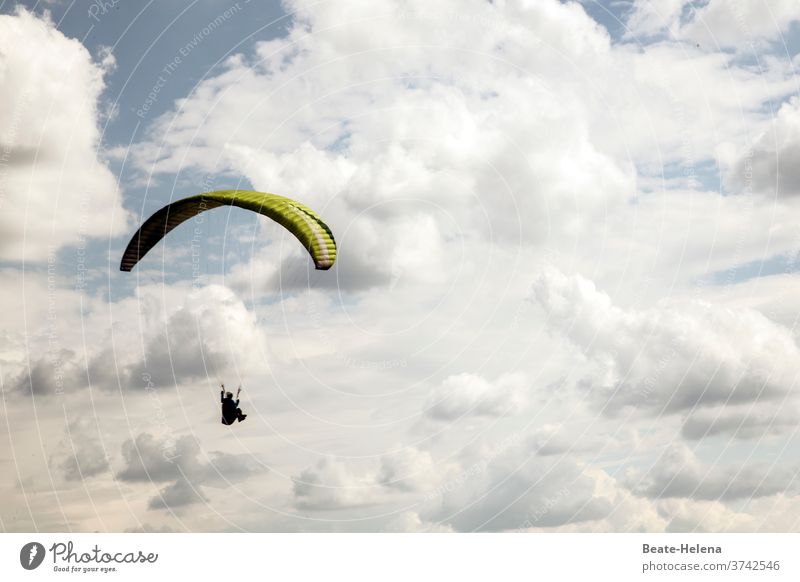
<point>566,289</point>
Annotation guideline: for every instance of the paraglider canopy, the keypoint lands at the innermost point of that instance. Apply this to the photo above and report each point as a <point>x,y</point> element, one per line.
<point>298,219</point>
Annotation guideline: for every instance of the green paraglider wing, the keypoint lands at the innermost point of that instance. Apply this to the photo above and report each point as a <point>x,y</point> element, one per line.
<point>301,221</point>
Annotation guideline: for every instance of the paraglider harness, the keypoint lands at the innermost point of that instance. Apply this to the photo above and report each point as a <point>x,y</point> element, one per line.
<point>230,407</point>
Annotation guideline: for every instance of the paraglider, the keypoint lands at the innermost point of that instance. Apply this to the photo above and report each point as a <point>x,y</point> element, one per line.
<point>298,219</point>
<point>230,407</point>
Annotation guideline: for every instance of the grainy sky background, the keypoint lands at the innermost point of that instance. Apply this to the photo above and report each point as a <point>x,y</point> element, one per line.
<point>567,290</point>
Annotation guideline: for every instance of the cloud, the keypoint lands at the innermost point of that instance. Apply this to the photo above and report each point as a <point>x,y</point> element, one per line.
<point>179,354</point>
<point>422,161</point>
<point>770,167</point>
<point>679,473</point>
<point>54,190</point>
<point>85,455</point>
<point>351,273</point>
<point>148,459</point>
<point>453,149</point>
<point>147,528</point>
<point>203,338</point>
<point>411,522</point>
<point>681,356</point>
<point>745,421</point>
<point>738,24</point>
<point>488,488</point>
<point>408,157</point>
<point>466,394</point>
<point>334,485</point>
<point>778,513</point>
<point>178,494</point>
<point>63,371</point>
<point>648,17</point>
<point>516,490</point>
<point>629,513</point>
<point>51,374</point>
<point>552,439</point>
<point>179,464</point>
<point>410,469</point>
